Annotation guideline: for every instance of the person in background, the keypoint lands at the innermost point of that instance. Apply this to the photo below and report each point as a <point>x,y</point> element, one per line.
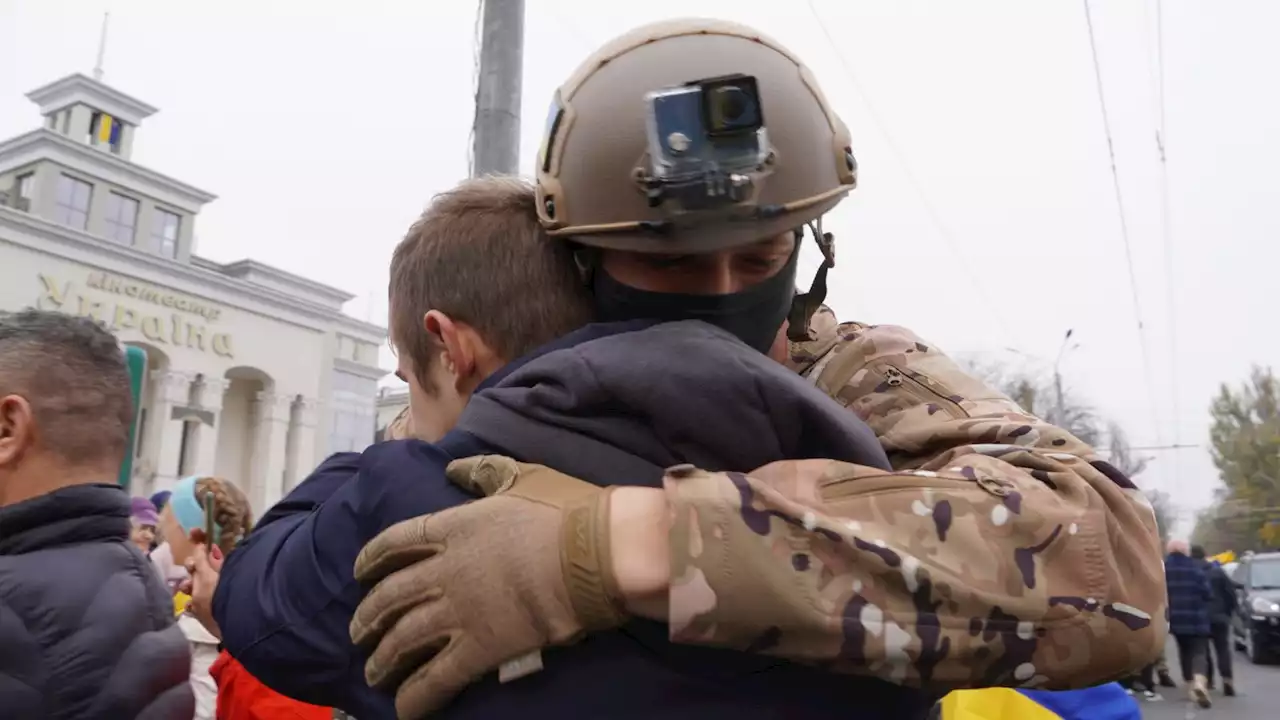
<point>143,519</point>
<point>171,574</point>
<point>160,500</point>
<point>1222,606</point>
<point>182,527</point>
<point>85,628</point>
<point>1162,672</point>
<point>1144,684</point>
<point>1189,596</point>
<point>224,689</point>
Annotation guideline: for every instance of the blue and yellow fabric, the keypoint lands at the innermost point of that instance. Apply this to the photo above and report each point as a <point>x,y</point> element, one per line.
<point>180,600</point>
<point>1105,702</point>
<point>109,129</point>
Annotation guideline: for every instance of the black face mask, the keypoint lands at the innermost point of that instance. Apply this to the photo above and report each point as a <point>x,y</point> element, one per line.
<point>754,315</point>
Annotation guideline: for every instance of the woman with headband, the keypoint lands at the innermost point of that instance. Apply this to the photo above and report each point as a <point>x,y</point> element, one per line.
<point>224,689</point>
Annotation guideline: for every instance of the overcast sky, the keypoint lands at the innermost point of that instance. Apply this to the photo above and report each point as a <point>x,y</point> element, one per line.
<point>986,219</point>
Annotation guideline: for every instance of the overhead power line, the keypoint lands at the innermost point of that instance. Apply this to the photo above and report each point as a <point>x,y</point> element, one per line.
<point>931,212</point>
<point>1166,223</point>
<point>1124,226</point>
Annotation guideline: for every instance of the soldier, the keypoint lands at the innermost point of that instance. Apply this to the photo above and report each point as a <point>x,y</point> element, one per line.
<point>491,325</point>
<point>1000,550</point>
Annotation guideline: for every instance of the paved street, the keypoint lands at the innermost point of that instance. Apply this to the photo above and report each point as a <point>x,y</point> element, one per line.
<point>1259,688</point>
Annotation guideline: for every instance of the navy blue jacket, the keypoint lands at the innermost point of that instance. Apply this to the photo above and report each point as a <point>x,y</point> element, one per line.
<point>1189,595</point>
<point>612,405</point>
<point>86,626</point>
<point>1222,605</point>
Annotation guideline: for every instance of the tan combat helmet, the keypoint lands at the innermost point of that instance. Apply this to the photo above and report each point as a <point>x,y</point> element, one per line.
<point>690,136</point>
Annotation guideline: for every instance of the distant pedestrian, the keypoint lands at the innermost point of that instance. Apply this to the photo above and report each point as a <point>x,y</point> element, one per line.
<point>1222,606</point>
<point>143,519</point>
<point>160,499</point>
<point>1189,596</point>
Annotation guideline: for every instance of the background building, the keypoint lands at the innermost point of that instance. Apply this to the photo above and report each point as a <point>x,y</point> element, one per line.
<point>391,401</point>
<point>255,374</point>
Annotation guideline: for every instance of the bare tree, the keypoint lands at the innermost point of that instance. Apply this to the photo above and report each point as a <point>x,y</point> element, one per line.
<point>1121,452</point>
<point>1038,396</point>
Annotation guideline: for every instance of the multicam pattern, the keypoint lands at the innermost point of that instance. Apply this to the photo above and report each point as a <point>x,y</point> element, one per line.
<point>1002,551</point>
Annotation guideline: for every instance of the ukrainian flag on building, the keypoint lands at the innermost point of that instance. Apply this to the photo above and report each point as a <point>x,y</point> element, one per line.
<point>109,129</point>
<point>1105,702</point>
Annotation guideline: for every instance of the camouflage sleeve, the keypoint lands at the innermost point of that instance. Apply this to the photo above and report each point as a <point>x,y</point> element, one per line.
<point>1000,552</point>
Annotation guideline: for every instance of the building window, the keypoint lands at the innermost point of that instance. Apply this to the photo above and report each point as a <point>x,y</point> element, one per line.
<point>164,232</point>
<point>122,218</point>
<point>72,208</point>
<point>25,184</point>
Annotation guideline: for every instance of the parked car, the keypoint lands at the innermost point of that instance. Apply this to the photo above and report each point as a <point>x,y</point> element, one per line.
<point>1257,623</point>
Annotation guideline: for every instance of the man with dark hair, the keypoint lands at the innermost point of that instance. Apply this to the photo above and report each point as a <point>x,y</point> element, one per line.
<point>86,625</point>
<point>1222,606</point>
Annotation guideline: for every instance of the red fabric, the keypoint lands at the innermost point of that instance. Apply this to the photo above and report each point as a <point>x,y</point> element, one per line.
<point>242,697</point>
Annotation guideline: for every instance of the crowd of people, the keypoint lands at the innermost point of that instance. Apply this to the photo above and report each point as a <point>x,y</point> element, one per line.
<point>641,474</point>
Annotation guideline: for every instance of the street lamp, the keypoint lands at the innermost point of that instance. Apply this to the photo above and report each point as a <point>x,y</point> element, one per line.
<point>1067,346</point>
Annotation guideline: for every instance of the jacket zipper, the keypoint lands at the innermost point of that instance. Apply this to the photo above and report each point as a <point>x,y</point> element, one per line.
<point>837,489</point>
<point>896,378</point>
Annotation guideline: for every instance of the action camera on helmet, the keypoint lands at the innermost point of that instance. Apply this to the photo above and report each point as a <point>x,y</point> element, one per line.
<point>704,139</point>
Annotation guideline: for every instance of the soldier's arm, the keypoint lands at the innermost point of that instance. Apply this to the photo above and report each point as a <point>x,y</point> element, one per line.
<point>1002,551</point>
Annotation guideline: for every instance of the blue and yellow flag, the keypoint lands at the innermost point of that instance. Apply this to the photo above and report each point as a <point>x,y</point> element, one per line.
<point>108,129</point>
<point>1105,702</point>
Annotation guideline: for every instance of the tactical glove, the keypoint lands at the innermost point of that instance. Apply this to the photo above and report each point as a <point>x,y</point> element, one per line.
<point>460,594</point>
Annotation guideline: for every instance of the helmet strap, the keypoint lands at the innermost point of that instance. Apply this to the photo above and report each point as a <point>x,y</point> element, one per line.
<point>805,305</point>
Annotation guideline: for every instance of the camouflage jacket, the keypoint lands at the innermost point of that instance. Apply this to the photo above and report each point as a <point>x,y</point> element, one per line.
<point>1001,551</point>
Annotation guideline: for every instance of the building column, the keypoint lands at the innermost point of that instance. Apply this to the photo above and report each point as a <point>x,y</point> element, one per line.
<point>204,442</point>
<point>302,459</point>
<point>170,389</point>
<point>270,433</point>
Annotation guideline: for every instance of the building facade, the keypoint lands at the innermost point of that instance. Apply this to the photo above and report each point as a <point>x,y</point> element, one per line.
<point>254,374</point>
<point>391,402</point>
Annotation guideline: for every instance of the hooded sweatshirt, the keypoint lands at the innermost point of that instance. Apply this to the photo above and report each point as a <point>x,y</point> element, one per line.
<point>612,404</point>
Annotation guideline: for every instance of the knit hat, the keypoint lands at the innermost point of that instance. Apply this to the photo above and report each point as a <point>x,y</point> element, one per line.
<point>143,512</point>
<point>160,499</point>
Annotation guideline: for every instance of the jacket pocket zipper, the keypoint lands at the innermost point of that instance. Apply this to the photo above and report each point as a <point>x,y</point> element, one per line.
<point>915,479</point>
<point>897,378</point>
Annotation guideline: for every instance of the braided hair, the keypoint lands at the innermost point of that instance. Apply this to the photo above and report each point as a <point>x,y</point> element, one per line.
<point>231,510</point>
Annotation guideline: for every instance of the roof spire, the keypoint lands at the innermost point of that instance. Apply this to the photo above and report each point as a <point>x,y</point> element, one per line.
<point>102,47</point>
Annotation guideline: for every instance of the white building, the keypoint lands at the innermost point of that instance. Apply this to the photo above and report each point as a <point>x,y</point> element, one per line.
<point>391,401</point>
<point>255,374</point>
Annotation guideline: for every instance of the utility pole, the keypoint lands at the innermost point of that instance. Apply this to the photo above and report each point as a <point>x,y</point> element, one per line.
<point>496,142</point>
<point>1059,415</point>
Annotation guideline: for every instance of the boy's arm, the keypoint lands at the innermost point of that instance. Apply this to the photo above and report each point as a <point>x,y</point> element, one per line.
<point>285,596</point>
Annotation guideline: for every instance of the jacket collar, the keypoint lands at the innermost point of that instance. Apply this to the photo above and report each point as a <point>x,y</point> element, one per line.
<point>587,333</point>
<point>69,516</point>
